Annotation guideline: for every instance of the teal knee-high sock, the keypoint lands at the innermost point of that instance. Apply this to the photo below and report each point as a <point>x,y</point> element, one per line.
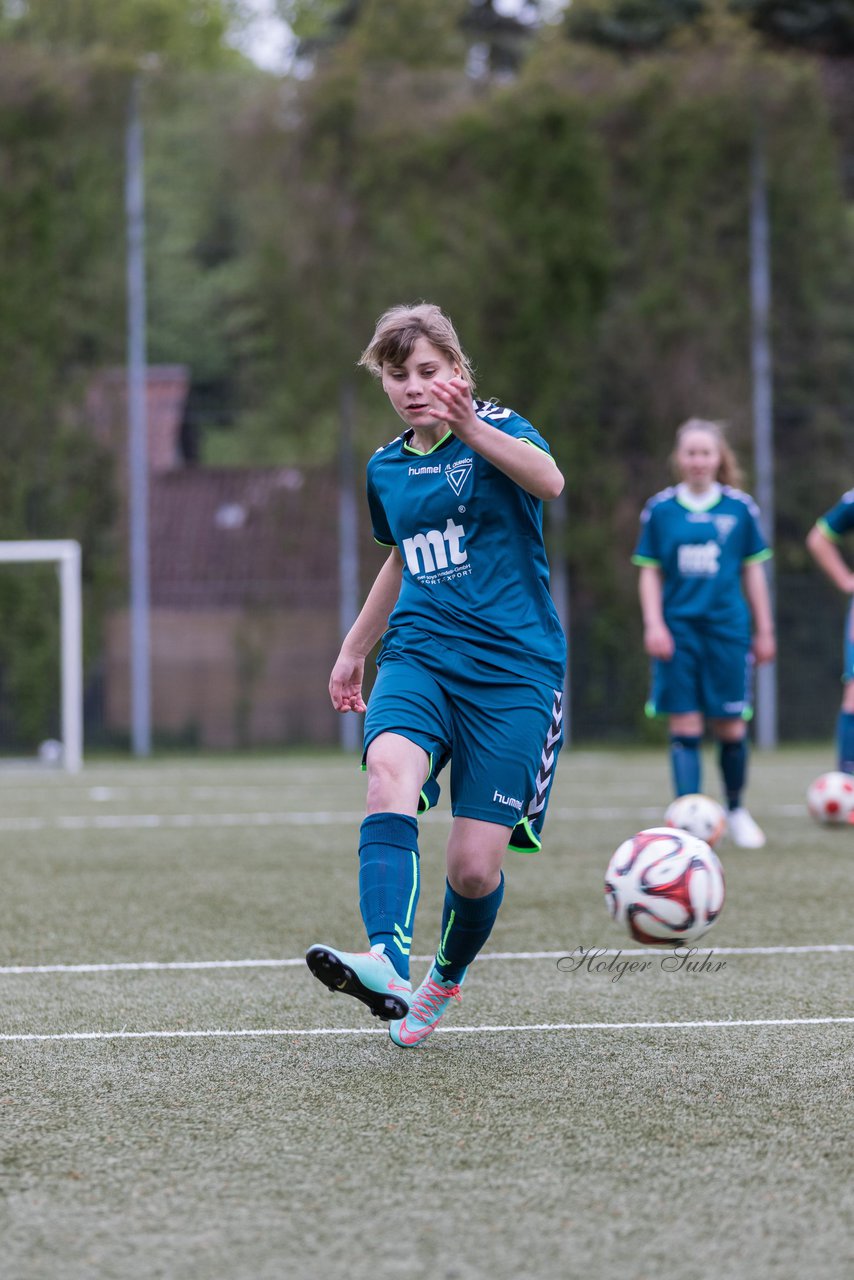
<point>685,763</point>
<point>466,925</point>
<point>389,883</point>
<point>733,760</point>
<point>845,741</point>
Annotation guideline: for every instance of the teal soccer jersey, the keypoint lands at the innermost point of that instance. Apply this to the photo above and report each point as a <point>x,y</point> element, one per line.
<point>701,554</point>
<point>839,520</point>
<point>475,574</point>
<point>834,524</point>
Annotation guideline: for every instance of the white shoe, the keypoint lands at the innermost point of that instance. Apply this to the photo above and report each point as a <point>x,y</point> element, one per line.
<point>743,831</point>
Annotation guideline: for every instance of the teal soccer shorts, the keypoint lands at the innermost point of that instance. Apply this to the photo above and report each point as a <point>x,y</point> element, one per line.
<point>501,734</point>
<point>848,656</point>
<point>711,674</point>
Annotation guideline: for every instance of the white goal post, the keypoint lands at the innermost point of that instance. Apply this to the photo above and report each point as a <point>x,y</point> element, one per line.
<point>65,554</point>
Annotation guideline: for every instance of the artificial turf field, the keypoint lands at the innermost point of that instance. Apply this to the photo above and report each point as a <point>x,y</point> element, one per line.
<point>180,1098</point>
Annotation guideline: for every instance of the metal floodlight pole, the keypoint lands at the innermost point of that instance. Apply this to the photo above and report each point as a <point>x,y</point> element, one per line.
<point>140,656</point>
<point>763,415</point>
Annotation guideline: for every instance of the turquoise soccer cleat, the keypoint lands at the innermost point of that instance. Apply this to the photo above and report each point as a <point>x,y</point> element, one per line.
<point>368,975</point>
<point>426,1007</point>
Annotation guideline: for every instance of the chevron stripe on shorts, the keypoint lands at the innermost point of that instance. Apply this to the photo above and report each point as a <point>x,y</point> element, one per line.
<point>548,758</point>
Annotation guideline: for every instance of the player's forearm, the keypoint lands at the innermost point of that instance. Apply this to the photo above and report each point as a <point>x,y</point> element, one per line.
<point>530,467</point>
<point>829,559</point>
<point>373,618</point>
<point>650,593</point>
<point>758,599</point>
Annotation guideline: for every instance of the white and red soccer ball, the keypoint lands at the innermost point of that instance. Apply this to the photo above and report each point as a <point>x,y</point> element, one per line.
<point>665,885</point>
<point>830,798</point>
<point>700,816</point>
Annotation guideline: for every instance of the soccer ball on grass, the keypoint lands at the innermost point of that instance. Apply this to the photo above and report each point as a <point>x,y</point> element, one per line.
<point>699,815</point>
<point>665,885</point>
<point>830,798</point>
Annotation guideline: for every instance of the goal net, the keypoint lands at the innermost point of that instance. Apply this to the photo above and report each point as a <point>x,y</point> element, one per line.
<point>64,554</point>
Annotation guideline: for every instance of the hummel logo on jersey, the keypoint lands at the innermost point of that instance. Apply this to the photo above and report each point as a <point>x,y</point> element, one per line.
<point>424,471</point>
<point>457,475</point>
<point>509,800</point>
<point>699,560</point>
<point>427,552</point>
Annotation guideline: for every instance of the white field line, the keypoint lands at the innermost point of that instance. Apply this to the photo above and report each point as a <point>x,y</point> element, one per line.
<point>320,818</point>
<point>137,966</point>
<point>297,1032</point>
<point>171,821</point>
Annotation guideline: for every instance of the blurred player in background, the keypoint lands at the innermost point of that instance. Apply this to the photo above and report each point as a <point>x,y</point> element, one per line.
<point>822,542</point>
<point>470,669</point>
<point>702,584</point>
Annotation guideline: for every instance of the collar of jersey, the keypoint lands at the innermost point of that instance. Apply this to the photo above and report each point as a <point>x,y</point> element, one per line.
<point>407,436</point>
<point>703,503</point>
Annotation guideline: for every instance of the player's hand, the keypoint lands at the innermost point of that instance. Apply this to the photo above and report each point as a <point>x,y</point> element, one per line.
<point>455,406</point>
<point>345,683</point>
<point>658,642</point>
<point>764,646</point>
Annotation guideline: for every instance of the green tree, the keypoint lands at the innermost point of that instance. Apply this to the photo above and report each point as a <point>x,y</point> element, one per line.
<point>60,232</point>
<point>587,229</point>
<point>673,338</point>
<point>823,26</point>
<point>499,39</point>
<point>201,310</point>
<point>64,70</point>
<point>636,26</point>
<point>188,31</point>
<point>631,26</point>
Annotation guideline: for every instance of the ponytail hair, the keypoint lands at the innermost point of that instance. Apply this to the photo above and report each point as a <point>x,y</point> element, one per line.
<point>729,471</point>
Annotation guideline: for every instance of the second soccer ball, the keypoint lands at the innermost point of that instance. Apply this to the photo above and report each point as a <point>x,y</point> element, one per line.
<point>699,815</point>
<point>830,798</point>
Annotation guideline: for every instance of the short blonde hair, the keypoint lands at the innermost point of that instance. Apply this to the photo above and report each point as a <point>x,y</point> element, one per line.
<point>398,330</point>
<point>729,471</point>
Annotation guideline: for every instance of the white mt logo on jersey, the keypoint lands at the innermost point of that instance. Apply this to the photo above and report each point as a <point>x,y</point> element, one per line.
<point>457,475</point>
<point>699,560</point>
<point>427,552</point>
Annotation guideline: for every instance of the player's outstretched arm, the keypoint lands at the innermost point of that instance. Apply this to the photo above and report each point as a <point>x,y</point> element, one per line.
<point>532,469</point>
<point>829,559</point>
<point>345,682</point>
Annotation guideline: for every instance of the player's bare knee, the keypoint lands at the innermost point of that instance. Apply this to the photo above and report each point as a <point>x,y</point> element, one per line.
<point>386,788</point>
<point>473,880</point>
<point>393,777</point>
<point>729,730</point>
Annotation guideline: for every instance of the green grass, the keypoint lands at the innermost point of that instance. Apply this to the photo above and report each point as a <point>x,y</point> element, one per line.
<point>590,1151</point>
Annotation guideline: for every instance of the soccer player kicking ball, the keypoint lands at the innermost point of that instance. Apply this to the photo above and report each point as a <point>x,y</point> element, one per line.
<point>702,585</point>
<point>470,669</point>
